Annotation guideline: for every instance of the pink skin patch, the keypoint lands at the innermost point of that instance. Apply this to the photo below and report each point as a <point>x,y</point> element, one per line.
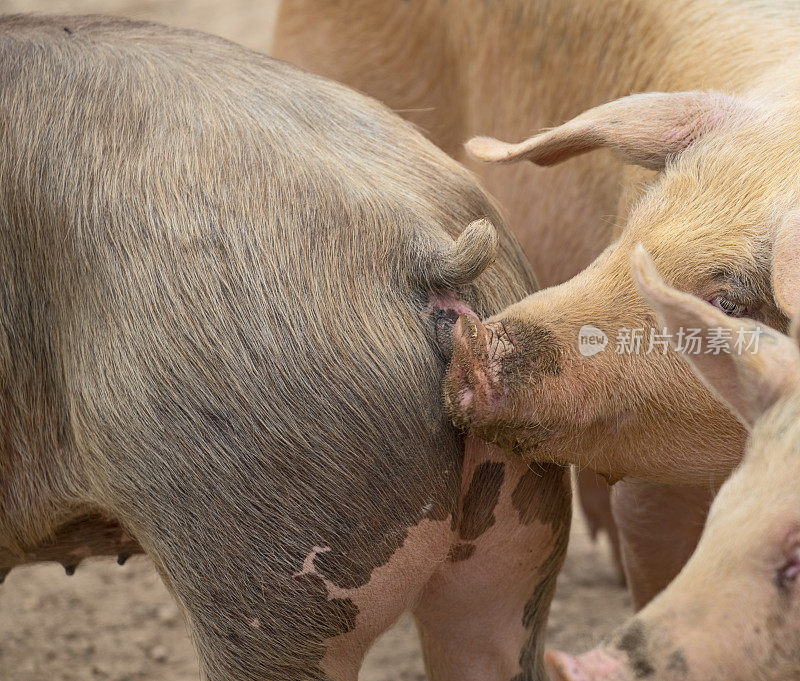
<point>448,301</point>
<point>465,398</point>
<point>392,589</point>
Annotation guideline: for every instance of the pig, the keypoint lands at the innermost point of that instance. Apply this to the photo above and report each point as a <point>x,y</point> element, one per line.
<point>507,67</point>
<point>731,612</point>
<point>228,296</point>
<point>720,219</point>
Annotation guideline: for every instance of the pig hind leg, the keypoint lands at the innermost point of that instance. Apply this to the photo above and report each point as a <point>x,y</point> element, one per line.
<point>254,614</point>
<point>594,495</point>
<point>482,615</point>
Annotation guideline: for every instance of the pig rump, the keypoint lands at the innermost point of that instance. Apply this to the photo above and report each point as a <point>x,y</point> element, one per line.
<point>210,337</point>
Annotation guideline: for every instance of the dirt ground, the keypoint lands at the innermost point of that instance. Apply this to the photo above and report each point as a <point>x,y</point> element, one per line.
<point>111,623</point>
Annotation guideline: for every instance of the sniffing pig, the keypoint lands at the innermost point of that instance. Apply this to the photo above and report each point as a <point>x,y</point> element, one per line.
<point>720,219</point>
<point>227,301</point>
<point>732,612</point>
<point>508,67</point>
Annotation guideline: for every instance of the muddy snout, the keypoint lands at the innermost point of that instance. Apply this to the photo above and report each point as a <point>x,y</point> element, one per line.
<point>493,367</point>
<point>473,388</point>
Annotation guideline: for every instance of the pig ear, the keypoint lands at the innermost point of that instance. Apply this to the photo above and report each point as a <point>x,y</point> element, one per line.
<point>786,265</point>
<point>644,129</point>
<point>750,377</point>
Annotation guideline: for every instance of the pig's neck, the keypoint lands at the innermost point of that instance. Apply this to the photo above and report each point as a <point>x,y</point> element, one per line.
<point>544,62</point>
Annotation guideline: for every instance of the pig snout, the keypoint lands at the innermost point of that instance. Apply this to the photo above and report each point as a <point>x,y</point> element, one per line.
<point>473,388</point>
<point>596,665</point>
<point>494,368</point>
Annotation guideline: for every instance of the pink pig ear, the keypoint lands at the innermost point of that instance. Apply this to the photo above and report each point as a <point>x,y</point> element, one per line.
<point>786,265</point>
<point>643,129</point>
<point>750,377</point>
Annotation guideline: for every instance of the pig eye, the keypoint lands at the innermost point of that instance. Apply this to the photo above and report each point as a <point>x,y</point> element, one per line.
<point>728,306</point>
<point>790,570</point>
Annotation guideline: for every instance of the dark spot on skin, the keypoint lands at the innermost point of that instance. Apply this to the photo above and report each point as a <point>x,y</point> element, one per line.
<point>632,638</point>
<point>777,621</point>
<point>477,512</point>
<point>236,639</point>
<point>539,494</point>
<point>633,642</point>
<point>677,663</point>
<point>459,552</point>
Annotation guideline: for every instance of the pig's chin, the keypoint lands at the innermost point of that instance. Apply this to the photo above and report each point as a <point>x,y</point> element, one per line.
<point>546,433</point>
<point>542,439</point>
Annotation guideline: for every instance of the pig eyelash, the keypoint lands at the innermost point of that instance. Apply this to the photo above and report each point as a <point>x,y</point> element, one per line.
<point>789,571</point>
<point>728,306</point>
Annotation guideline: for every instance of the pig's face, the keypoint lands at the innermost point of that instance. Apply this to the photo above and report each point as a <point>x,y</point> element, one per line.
<point>733,613</point>
<point>536,377</point>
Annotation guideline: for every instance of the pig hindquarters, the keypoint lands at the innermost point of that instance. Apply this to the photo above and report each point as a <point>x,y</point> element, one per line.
<point>218,345</point>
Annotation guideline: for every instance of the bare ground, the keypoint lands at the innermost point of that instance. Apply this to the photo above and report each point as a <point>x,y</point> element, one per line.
<point>111,623</point>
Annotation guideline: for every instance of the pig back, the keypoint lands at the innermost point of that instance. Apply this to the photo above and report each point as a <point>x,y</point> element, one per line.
<point>211,306</point>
